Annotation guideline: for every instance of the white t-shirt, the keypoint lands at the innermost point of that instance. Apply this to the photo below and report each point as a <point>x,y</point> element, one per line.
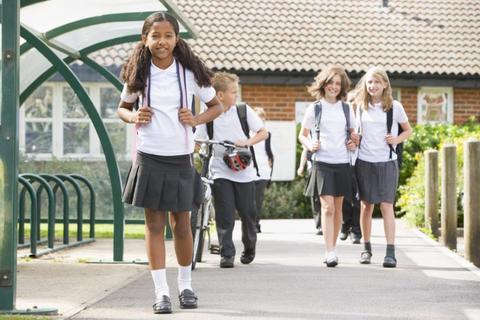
<point>333,131</point>
<point>262,160</point>
<point>227,127</point>
<point>165,135</point>
<point>373,147</point>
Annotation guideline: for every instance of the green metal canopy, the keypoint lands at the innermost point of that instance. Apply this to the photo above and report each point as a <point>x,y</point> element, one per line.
<point>38,39</point>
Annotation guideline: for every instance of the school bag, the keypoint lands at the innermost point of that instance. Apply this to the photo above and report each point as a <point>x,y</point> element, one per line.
<point>242,116</point>
<point>399,148</point>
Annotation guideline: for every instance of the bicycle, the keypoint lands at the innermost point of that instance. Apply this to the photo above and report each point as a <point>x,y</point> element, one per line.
<point>202,219</point>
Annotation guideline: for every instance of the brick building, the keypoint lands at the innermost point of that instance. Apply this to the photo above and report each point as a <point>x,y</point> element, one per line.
<point>430,48</point>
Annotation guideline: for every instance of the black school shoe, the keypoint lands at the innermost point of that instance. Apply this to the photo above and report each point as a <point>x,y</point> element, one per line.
<point>355,237</point>
<point>226,262</point>
<point>389,262</point>
<point>247,257</point>
<point>188,299</point>
<point>163,305</point>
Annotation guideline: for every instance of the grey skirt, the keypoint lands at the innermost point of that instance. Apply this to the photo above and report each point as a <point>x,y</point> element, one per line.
<point>377,181</point>
<point>328,179</point>
<point>161,182</point>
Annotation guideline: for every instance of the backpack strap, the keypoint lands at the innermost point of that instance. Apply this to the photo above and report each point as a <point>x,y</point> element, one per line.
<point>268,147</point>
<point>318,118</point>
<point>210,130</point>
<point>242,116</point>
<point>182,84</point>
<point>346,112</point>
<point>389,130</point>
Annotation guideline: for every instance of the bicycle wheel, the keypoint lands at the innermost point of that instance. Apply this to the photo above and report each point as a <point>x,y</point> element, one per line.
<point>198,235</point>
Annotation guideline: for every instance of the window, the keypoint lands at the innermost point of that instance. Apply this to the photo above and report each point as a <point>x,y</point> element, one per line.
<point>54,122</point>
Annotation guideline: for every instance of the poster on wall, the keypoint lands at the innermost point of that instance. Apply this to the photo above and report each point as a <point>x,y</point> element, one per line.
<point>435,105</point>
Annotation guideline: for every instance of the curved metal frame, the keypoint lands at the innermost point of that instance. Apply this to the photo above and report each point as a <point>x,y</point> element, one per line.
<point>112,165</point>
<point>92,201</point>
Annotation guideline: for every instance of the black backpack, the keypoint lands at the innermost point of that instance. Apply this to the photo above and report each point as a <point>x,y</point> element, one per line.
<point>242,116</point>
<point>399,148</point>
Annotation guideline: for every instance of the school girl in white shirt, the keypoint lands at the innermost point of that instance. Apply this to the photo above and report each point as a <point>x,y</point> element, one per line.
<point>377,167</point>
<point>331,176</point>
<point>163,74</point>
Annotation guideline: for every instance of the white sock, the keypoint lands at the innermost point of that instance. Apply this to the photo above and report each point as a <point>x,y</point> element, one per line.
<point>159,277</point>
<point>184,278</point>
<point>331,255</point>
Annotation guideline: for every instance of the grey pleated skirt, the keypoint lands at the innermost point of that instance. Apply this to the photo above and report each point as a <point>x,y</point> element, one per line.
<point>377,181</point>
<point>328,179</point>
<point>161,182</point>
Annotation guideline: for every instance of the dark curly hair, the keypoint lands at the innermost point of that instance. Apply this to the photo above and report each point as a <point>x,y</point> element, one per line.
<point>135,70</point>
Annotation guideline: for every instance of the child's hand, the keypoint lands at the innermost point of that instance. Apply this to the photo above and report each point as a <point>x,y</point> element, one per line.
<point>300,172</point>
<point>143,115</point>
<point>355,138</point>
<point>391,139</point>
<point>315,146</point>
<point>242,143</point>
<point>186,117</point>
<point>351,145</point>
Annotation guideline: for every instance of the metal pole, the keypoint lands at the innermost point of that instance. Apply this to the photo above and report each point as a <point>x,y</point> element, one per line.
<point>449,196</point>
<point>471,172</point>
<point>431,191</point>
<point>9,152</point>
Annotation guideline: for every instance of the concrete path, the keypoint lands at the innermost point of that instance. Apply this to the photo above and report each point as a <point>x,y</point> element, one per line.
<point>287,280</point>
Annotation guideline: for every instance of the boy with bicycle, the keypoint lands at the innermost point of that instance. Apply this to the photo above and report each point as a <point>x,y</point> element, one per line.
<point>233,174</point>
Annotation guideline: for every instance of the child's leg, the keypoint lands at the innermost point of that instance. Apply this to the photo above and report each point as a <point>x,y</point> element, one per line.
<point>245,204</point>
<point>155,245</point>
<point>388,221</point>
<point>328,221</point>
<point>154,238</point>
<point>366,220</point>
<point>338,218</point>
<point>224,202</point>
<point>183,242</point>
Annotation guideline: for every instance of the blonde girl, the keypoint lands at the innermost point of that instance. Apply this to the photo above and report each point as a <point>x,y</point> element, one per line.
<point>376,167</point>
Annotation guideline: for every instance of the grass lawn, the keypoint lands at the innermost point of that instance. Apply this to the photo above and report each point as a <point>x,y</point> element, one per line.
<point>132,231</point>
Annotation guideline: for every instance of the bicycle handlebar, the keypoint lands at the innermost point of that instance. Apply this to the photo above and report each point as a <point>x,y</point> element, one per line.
<point>226,144</point>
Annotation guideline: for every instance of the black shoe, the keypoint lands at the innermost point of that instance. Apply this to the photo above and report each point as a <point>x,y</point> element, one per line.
<point>355,237</point>
<point>247,257</point>
<point>365,257</point>
<point>258,229</point>
<point>188,299</point>
<point>226,262</point>
<point>319,232</point>
<point>389,262</point>
<point>343,235</point>
<point>163,305</point>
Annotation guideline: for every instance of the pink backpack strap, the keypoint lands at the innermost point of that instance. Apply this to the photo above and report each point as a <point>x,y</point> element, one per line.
<point>145,102</point>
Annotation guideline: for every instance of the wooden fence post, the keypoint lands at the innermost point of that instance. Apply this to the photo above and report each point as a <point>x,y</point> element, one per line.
<point>471,210</point>
<point>449,196</point>
<point>431,191</point>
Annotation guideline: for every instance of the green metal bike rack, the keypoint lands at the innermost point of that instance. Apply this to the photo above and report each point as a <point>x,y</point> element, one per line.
<point>33,217</point>
<point>51,206</point>
<point>92,201</point>
<point>66,207</point>
<point>78,191</point>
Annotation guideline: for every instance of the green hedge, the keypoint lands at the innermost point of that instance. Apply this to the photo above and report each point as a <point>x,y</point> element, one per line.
<point>411,194</point>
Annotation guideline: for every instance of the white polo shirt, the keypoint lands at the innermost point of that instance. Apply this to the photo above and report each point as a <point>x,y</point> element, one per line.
<point>227,127</point>
<point>374,147</point>
<point>165,135</point>
<point>333,131</point>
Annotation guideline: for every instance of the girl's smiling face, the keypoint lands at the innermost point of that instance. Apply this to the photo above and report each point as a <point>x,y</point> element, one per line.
<point>333,88</point>
<point>375,86</point>
<point>161,41</point>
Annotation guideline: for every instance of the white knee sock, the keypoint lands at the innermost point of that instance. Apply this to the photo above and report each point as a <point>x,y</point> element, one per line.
<point>184,278</point>
<point>159,277</point>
